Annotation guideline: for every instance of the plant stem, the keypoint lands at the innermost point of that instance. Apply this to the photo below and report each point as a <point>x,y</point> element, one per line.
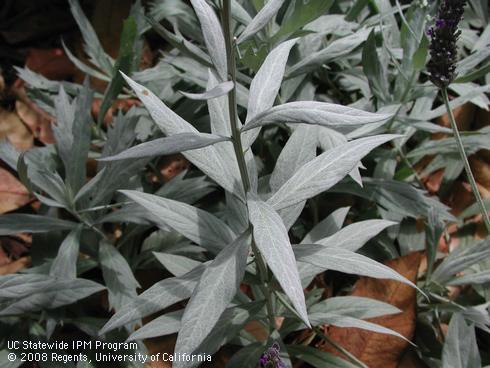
<point>238,148</point>
<point>464,158</point>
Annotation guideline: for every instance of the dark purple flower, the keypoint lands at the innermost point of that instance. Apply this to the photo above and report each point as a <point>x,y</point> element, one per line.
<point>440,23</point>
<point>444,34</point>
<point>270,358</point>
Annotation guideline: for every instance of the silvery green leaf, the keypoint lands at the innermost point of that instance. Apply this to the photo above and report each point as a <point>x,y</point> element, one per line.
<point>272,239</point>
<point>217,91</point>
<point>459,260</point>
<point>300,14</point>
<point>90,186</point>
<point>84,67</point>
<point>118,276</point>
<point>219,115</point>
<point>64,266</point>
<point>19,222</point>
<point>354,236</point>
<point>159,296</point>
<point>253,170</point>
<point>338,259</point>
<point>338,48</point>
<point>350,322</point>
<point>341,118</point>
<point>458,101</point>
<point>213,36</point>
<point>266,84</point>
<point>195,224</point>
<point>16,286</point>
<point>42,83</point>
<point>352,306</point>
<point>188,190</point>
<point>460,348</point>
<point>167,146</point>
<point>479,278</point>
<point>248,356</point>
<point>325,171</point>
<point>207,159</point>
<point>57,294</point>
<point>263,17</point>
<point>472,143</point>
<point>49,182</point>
<point>479,316</point>
<point>289,215</point>
<point>72,134</point>
<point>397,197</point>
<point>130,48</point>
<point>180,43</point>
<point>239,13</point>
<point>299,149</point>
<point>92,46</point>
<point>193,72</point>
<point>328,139</point>
<point>230,323</point>
<point>9,154</point>
<point>4,357</point>
<point>328,226</point>
<point>433,232</point>
<point>318,358</point>
<point>218,285</point>
<point>175,264</point>
<point>167,324</point>
<point>236,213</point>
<point>374,70</point>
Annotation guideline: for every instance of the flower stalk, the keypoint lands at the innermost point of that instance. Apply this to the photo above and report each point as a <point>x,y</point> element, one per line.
<point>442,69</point>
<point>464,158</point>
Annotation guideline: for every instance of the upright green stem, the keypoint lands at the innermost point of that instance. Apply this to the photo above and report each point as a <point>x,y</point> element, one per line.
<point>464,158</point>
<point>238,148</point>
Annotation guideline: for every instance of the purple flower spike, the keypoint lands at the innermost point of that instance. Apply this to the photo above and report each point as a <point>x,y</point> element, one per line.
<point>443,50</point>
<point>270,358</point>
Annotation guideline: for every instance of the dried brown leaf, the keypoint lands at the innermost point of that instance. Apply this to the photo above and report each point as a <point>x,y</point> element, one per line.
<point>12,193</point>
<point>15,266</point>
<point>380,350</point>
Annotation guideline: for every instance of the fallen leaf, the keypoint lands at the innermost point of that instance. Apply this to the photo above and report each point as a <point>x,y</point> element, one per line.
<point>172,165</point>
<point>464,116</point>
<point>15,266</point>
<point>481,171</point>
<point>12,193</point>
<point>123,105</point>
<point>52,63</point>
<point>12,128</point>
<point>38,121</point>
<point>380,350</point>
